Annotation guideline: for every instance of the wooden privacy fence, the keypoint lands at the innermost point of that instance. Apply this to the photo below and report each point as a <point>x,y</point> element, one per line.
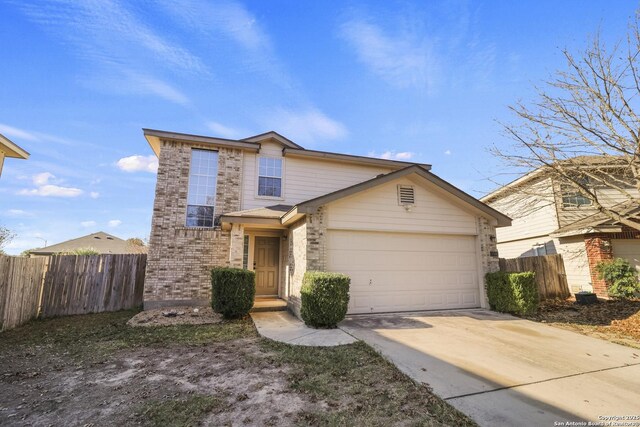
<point>550,274</point>
<point>20,285</point>
<point>68,284</point>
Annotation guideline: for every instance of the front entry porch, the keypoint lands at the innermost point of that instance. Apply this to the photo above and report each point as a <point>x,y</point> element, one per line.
<point>262,304</point>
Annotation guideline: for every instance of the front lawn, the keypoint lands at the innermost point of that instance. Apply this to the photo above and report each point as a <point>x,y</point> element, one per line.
<point>96,370</point>
<point>614,320</point>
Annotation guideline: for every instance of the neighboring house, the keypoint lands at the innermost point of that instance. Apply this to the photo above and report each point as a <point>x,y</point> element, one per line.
<point>551,217</point>
<point>10,149</point>
<point>407,239</point>
<point>101,242</point>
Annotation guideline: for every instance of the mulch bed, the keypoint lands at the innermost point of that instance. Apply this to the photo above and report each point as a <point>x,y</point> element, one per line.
<point>171,316</point>
<point>615,320</point>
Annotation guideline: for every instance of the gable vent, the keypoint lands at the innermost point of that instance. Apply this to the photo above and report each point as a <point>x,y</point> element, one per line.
<point>406,195</point>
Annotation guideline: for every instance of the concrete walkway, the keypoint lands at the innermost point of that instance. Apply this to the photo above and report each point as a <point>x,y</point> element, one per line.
<point>284,327</point>
<point>502,370</point>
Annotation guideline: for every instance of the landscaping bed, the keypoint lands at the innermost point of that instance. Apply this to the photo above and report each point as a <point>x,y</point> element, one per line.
<point>96,370</point>
<point>614,320</point>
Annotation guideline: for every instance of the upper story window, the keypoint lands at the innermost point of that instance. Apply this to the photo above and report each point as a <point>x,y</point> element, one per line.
<point>270,177</point>
<point>202,188</point>
<point>574,198</point>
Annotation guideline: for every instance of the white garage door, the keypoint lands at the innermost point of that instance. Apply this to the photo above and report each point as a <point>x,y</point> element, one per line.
<point>404,272</point>
<point>628,249</point>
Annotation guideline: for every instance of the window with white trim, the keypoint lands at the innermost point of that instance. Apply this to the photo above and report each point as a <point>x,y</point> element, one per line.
<point>572,197</point>
<point>201,198</point>
<point>270,177</point>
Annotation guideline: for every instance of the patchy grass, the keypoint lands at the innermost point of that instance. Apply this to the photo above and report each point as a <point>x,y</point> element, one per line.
<point>360,387</point>
<point>613,320</point>
<point>94,369</point>
<point>100,334</point>
<point>179,412</point>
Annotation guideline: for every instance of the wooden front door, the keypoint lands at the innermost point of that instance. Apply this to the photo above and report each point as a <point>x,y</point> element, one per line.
<point>266,257</point>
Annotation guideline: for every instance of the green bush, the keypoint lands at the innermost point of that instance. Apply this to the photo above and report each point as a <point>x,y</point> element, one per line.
<point>325,297</point>
<point>512,292</point>
<point>232,291</point>
<point>620,276</point>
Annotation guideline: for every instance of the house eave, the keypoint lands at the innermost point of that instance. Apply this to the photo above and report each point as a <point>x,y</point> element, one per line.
<point>586,230</point>
<point>349,158</point>
<point>11,149</point>
<point>154,137</point>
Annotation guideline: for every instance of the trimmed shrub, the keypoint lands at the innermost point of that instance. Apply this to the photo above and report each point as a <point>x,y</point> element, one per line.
<point>232,291</point>
<point>620,276</point>
<point>515,293</point>
<point>325,297</point>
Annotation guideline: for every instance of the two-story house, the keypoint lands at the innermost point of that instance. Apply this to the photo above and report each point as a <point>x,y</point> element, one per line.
<point>551,216</point>
<point>408,239</point>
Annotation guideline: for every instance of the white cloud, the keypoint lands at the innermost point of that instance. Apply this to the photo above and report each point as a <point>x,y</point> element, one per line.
<point>42,178</point>
<point>138,163</point>
<point>447,152</point>
<point>45,189</point>
<point>405,60</point>
<point>94,194</point>
<point>114,223</point>
<point>50,190</point>
<point>223,131</point>
<point>392,155</point>
<point>310,126</point>
<point>87,224</point>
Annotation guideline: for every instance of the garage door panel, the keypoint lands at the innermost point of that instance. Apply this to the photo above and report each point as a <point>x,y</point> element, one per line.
<point>404,272</point>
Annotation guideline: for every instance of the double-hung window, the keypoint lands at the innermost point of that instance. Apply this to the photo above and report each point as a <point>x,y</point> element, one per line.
<point>572,197</point>
<point>270,177</point>
<point>202,188</point>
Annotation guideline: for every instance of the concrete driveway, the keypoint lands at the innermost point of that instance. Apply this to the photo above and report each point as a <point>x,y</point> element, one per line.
<point>501,370</point>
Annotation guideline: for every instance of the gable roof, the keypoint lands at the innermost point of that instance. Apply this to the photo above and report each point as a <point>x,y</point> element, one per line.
<point>252,144</point>
<point>102,242</point>
<point>273,135</point>
<point>11,149</point>
<point>573,162</point>
<point>310,206</point>
<point>600,222</point>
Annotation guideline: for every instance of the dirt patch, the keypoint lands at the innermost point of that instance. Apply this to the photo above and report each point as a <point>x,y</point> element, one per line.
<point>176,316</point>
<point>97,370</point>
<point>613,320</point>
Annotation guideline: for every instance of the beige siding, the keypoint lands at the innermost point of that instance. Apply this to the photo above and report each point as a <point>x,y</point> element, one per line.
<point>533,214</point>
<point>628,249</point>
<point>378,210</point>
<point>304,179</point>
<point>576,262</point>
<point>524,248</point>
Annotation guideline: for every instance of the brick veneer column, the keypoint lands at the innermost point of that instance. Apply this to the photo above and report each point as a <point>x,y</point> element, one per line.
<point>236,246</point>
<point>598,248</point>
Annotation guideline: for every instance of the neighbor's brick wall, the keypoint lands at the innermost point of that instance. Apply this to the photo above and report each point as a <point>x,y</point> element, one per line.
<point>180,258</point>
<point>599,247</point>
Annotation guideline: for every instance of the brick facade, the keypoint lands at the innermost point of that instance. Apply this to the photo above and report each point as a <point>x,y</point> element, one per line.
<point>180,257</point>
<point>599,247</point>
<point>316,240</point>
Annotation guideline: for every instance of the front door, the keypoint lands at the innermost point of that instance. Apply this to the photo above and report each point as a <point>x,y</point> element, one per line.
<point>266,265</point>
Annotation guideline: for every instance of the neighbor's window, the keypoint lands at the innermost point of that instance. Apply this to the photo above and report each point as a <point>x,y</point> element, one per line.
<point>202,188</point>
<point>574,198</point>
<point>270,177</point>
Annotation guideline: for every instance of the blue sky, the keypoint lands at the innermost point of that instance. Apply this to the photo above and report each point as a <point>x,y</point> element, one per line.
<point>423,81</point>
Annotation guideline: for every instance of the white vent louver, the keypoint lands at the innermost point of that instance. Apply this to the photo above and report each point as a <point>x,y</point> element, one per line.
<point>406,195</point>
